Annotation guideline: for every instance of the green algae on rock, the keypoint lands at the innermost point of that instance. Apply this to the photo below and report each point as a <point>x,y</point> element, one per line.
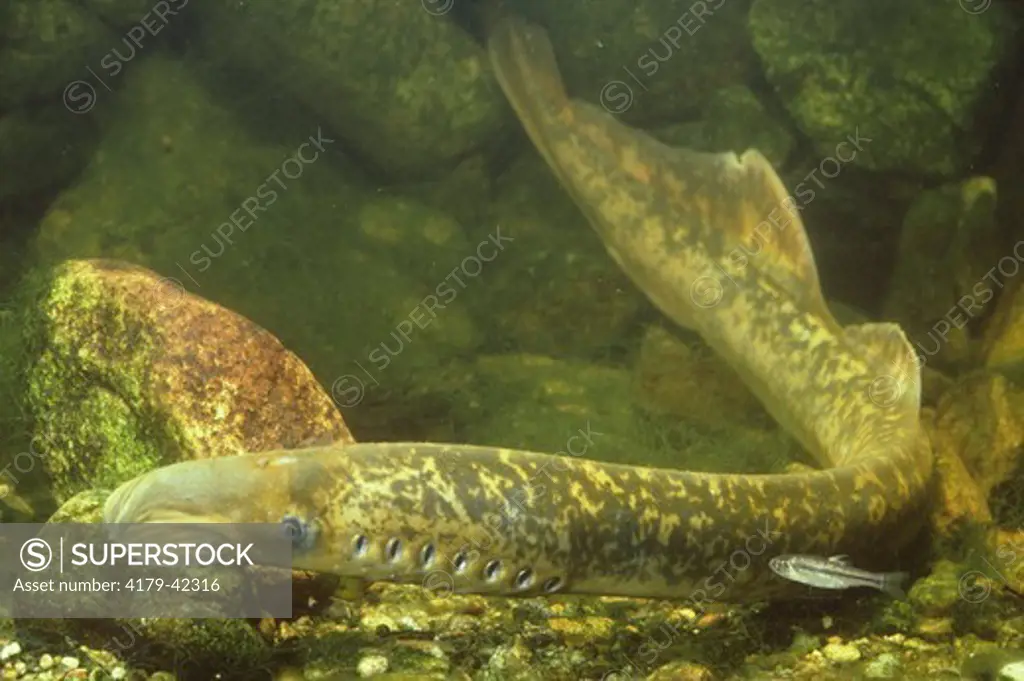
<point>301,269</point>
<point>577,303</point>
<point>47,45</point>
<point>948,270</point>
<point>913,82</point>
<point>1003,341</point>
<point>586,409</point>
<point>408,89</point>
<point>958,501</point>
<point>648,60</point>
<point>732,119</point>
<point>132,373</point>
<point>980,420</point>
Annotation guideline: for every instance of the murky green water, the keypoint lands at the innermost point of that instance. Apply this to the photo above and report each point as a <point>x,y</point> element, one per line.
<point>349,179</point>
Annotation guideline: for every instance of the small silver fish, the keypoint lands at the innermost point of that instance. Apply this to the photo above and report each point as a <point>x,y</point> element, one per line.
<point>836,573</point>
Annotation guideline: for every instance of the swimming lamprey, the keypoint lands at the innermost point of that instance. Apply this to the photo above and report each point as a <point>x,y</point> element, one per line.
<point>713,240</point>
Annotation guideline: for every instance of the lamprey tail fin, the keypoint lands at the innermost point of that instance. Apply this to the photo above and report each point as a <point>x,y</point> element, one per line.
<point>892,583</point>
<point>524,63</point>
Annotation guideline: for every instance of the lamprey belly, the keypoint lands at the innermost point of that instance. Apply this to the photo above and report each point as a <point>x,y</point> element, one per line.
<point>717,244</point>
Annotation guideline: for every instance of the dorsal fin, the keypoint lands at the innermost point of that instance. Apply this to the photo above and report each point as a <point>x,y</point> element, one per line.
<point>886,347</point>
<point>738,204</point>
<point>763,229</point>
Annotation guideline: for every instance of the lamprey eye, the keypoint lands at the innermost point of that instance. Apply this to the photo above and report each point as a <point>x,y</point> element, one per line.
<point>301,533</point>
<point>393,549</point>
<point>360,545</point>
<point>524,578</point>
<point>460,561</point>
<point>427,554</point>
<point>552,584</point>
<point>492,570</point>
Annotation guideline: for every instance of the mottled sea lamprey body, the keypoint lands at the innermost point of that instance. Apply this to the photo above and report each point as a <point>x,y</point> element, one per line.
<point>715,242</point>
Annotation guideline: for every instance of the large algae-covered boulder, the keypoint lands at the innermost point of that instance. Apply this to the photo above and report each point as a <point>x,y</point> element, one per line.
<point>1003,342</point>
<point>557,291</point>
<point>732,119</point>
<point>981,419</point>
<point>132,373</point>
<point>261,212</point>
<point>977,437</point>
<point>647,60</point>
<point>47,47</point>
<point>692,383</point>
<point>959,500</point>
<point>949,270</point>
<point>914,83</point>
<point>407,88</point>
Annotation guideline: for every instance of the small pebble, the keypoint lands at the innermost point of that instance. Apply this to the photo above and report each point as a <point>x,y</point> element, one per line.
<point>10,650</point>
<point>69,662</point>
<point>1012,672</point>
<point>839,652</point>
<point>372,665</point>
<point>45,661</point>
<point>885,666</point>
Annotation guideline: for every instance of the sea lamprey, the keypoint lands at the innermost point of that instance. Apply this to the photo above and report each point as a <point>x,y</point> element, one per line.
<point>718,245</point>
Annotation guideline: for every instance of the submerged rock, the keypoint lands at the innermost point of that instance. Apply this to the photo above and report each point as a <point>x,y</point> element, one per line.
<point>980,420</point>
<point>949,269</point>
<point>959,499</point>
<point>46,47</point>
<point>1003,342</point>
<point>132,372</point>
<point>647,60</point>
<point>733,119</point>
<point>181,183</point>
<point>403,85</point>
<point>555,292</point>
<point>917,83</point>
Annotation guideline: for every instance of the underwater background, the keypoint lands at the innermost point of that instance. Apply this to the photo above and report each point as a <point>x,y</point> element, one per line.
<point>346,177</point>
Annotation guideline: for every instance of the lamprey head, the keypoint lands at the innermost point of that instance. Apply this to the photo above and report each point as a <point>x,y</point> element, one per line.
<point>251,488</point>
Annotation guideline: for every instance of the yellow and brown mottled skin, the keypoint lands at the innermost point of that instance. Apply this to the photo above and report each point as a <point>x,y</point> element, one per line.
<point>716,243</point>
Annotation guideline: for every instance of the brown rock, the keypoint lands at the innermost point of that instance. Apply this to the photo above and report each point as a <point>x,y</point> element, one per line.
<point>134,373</point>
